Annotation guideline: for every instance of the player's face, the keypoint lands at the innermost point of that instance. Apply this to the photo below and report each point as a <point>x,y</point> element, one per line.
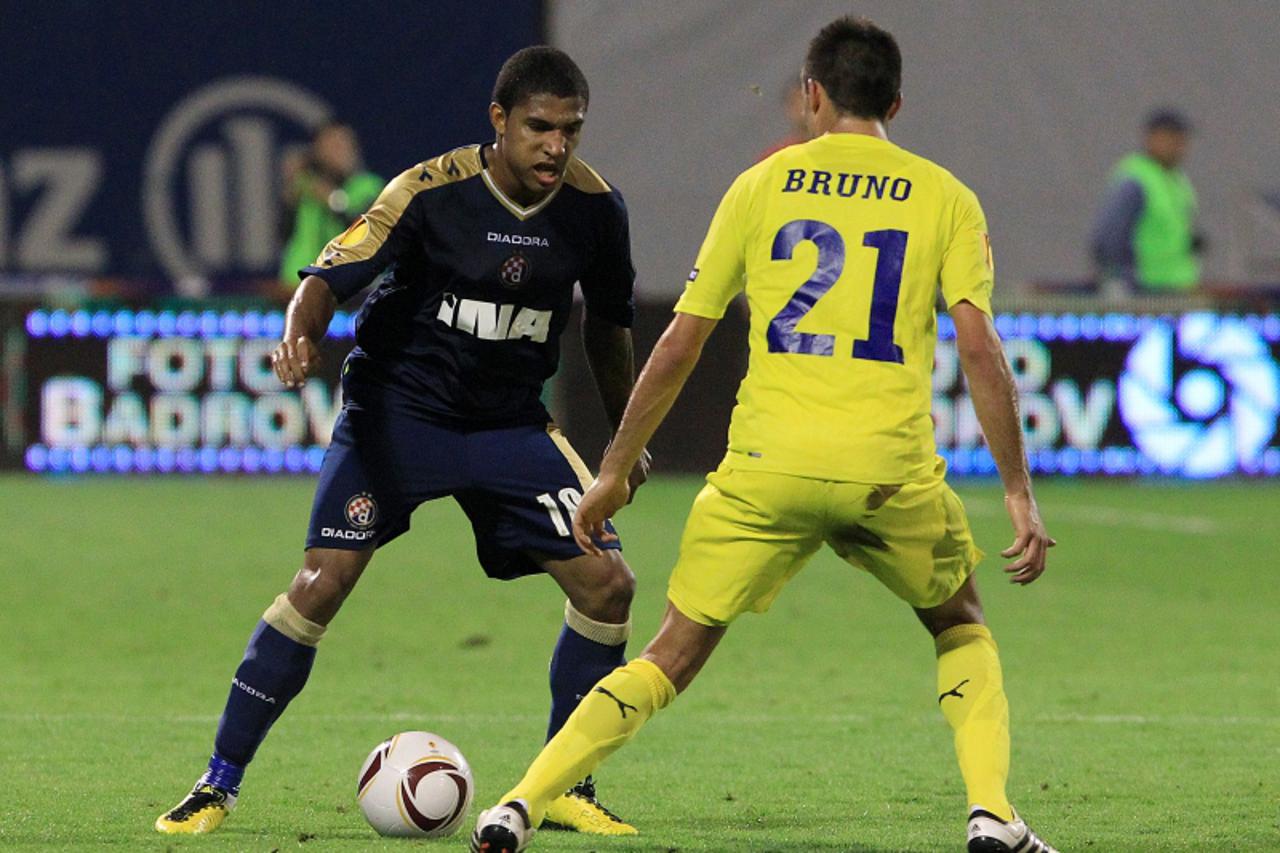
<point>536,140</point>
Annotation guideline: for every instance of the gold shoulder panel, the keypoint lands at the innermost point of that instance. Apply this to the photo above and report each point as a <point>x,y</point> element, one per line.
<point>585,179</point>
<point>367,234</point>
<point>456,165</point>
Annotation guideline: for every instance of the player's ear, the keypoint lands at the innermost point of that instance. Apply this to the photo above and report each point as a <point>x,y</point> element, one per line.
<point>498,118</point>
<point>893,109</point>
<point>813,95</point>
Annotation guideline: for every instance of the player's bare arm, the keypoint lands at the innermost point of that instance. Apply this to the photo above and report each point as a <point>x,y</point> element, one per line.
<point>660,383</point>
<point>995,400</point>
<point>305,322</point>
<point>611,357</point>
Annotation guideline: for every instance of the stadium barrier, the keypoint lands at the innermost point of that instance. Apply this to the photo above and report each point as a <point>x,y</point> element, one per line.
<point>120,390</point>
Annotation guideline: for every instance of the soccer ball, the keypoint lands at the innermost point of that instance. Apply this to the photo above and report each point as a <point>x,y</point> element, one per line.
<point>415,784</point>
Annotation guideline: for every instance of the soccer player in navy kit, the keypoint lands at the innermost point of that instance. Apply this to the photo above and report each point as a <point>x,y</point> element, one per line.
<point>478,251</point>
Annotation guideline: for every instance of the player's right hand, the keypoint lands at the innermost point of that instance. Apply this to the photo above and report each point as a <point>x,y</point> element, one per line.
<point>295,360</point>
<point>606,496</point>
<point>1031,542</point>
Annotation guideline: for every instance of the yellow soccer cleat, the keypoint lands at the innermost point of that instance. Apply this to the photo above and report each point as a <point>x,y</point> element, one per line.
<point>578,810</point>
<point>203,810</point>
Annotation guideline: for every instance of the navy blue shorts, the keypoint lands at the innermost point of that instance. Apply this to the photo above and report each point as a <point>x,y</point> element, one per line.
<point>519,487</point>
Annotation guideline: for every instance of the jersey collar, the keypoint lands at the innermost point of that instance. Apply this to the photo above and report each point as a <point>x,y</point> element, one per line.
<point>521,213</point>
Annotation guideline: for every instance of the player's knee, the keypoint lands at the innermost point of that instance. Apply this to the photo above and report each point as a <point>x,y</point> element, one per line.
<point>324,581</point>
<point>620,587</point>
<point>954,613</point>
<point>608,598</point>
<point>963,608</point>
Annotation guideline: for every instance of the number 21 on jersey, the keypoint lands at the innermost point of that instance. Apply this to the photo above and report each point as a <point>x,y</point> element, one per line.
<point>878,345</point>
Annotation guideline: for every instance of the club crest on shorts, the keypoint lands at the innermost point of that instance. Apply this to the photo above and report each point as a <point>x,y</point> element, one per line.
<point>516,270</point>
<point>362,511</point>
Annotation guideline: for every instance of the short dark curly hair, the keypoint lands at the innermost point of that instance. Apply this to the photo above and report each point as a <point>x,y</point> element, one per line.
<point>858,64</point>
<point>537,70</point>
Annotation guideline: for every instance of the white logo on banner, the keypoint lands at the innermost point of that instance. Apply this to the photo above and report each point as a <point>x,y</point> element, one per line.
<point>218,151</point>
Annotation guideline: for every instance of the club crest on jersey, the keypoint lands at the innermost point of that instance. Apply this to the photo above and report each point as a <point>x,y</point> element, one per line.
<point>362,511</point>
<point>515,271</point>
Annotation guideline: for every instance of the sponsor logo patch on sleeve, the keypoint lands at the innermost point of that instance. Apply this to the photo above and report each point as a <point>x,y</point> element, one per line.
<point>355,234</point>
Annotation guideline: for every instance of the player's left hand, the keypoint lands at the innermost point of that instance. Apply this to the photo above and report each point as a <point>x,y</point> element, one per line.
<point>1031,541</point>
<point>606,496</point>
<point>639,473</point>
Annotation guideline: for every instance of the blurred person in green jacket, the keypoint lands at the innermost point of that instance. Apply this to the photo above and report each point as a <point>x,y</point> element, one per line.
<point>1144,239</point>
<point>325,190</point>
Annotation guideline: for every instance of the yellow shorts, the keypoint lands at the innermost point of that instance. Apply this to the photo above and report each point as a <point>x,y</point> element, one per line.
<point>750,531</point>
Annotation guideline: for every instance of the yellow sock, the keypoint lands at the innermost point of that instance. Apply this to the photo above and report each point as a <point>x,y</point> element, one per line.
<point>604,720</point>
<point>971,696</point>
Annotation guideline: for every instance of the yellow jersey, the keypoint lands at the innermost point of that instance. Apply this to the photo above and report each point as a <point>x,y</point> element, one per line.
<point>841,245</point>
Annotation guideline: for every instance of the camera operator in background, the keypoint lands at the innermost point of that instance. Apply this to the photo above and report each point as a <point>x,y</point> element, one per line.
<point>1144,241</point>
<point>325,190</point>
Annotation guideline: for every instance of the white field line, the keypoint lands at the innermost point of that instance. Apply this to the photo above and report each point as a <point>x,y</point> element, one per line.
<point>1105,516</point>
<point>725,719</point>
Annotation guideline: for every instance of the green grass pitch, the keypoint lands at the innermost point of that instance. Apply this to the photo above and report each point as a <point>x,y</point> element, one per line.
<point>1143,672</point>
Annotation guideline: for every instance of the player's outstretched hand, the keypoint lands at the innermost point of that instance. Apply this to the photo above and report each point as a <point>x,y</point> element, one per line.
<point>605,497</point>
<point>1031,541</point>
<point>295,360</point>
<point>639,474</point>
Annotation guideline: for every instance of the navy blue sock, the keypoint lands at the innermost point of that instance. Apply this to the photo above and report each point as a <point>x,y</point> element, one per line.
<point>223,774</point>
<point>576,665</point>
<point>273,671</point>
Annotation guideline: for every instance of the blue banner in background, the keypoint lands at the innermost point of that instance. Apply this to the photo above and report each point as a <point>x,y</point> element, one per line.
<point>144,140</point>
<point>1194,396</point>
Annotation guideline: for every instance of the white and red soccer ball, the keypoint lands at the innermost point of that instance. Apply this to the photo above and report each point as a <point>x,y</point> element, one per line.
<point>415,784</point>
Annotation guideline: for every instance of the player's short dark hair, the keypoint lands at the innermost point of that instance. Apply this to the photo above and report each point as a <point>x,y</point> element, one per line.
<point>539,70</point>
<point>858,64</point>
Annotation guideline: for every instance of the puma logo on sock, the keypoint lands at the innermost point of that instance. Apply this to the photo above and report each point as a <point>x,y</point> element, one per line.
<point>622,706</point>
<point>954,691</point>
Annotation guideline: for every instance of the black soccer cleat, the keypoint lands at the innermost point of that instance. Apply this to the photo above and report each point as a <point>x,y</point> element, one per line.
<point>990,834</point>
<point>502,829</point>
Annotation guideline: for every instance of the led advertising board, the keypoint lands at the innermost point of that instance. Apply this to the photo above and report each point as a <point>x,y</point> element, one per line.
<point>1193,396</point>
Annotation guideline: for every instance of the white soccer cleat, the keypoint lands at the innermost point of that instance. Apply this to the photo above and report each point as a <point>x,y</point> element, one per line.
<point>502,829</point>
<point>990,834</point>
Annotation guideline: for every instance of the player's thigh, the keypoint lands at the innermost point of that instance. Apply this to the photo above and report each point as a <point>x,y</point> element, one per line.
<point>915,540</point>
<point>748,533</point>
<point>525,484</point>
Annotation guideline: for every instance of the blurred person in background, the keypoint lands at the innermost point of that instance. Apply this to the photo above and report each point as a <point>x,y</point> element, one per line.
<point>1144,239</point>
<point>325,190</point>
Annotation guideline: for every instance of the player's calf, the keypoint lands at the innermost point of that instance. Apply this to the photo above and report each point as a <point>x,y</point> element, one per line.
<point>276,664</point>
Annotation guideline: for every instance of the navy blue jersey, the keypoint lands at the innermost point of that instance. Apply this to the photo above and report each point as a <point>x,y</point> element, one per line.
<point>464,325</point>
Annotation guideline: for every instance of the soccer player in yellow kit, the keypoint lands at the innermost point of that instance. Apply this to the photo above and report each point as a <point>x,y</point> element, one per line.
<point>841,245</point>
